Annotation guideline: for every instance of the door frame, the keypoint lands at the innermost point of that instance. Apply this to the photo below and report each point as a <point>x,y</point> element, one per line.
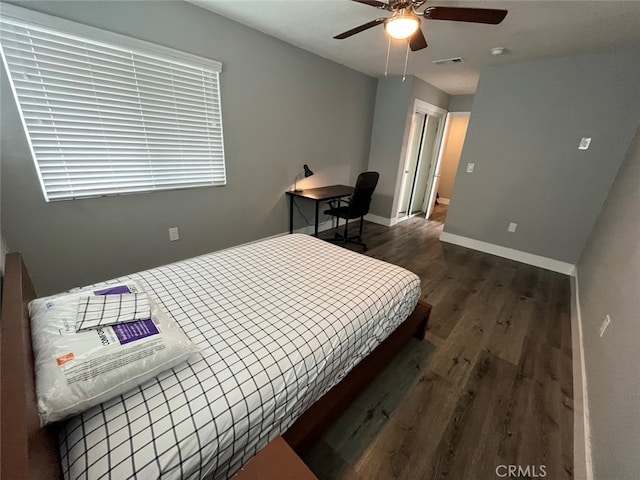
<point>419,106</point>
<point>443,146</point>
<point>436,167</point>
<point>418,124</point>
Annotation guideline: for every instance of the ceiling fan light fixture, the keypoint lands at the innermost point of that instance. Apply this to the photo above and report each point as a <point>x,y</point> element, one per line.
<point>402,25</point>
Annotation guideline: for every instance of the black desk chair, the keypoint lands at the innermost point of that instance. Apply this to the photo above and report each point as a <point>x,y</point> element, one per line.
<point>357,207</point>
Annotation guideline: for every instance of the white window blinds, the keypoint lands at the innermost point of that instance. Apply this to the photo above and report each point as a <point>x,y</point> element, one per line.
<point>103,118</point>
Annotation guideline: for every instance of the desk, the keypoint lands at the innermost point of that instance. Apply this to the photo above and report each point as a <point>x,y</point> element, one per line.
<point>320,194</point>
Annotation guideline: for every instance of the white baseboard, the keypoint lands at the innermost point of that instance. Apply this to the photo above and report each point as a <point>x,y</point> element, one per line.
<point>329,224</point>
<point>444,201</point>
<point>582,459</point>
<point>387,222</point>
<point>510,253</point>
<point>310,229</point>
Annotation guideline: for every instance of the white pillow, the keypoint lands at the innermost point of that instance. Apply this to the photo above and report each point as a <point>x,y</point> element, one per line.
<point>78,370</point>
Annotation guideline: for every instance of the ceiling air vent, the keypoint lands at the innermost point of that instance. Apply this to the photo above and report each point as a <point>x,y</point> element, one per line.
<point>448,61</point>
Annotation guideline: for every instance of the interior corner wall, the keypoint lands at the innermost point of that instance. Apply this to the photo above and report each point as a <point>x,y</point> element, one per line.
<point>461,103</point>
<point>428,93</point>
<point>393,97</point>
<point>523,137</point>
<point>282,107</point>
<point>609,283</point>
<point>3,245</point>
<point>390,133</point>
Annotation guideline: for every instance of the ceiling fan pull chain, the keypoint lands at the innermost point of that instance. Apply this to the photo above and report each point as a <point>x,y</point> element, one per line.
<point>406,62</point>
<point>386,66</point>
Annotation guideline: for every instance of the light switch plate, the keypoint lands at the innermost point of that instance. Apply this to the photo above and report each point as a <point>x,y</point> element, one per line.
<point>584,143</point>
<point>512,227</point>
<point>470,167</point>
<point>173,234</point>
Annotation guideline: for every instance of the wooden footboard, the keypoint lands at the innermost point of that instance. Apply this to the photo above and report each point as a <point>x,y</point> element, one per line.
<point>308,428</point>
<point>28,451</point>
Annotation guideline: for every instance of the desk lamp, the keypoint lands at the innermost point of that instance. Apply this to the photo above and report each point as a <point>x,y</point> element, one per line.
<point>307,173</point>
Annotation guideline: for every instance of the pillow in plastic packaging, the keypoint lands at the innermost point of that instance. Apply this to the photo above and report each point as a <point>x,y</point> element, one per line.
<point>78,370</point>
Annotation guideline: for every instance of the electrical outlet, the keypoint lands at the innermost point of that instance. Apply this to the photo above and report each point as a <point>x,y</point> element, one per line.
<point>512,227</point>
<point>173,234</point>
<point>605,324</point>
<point>584,143</point>
<point>470,167</point>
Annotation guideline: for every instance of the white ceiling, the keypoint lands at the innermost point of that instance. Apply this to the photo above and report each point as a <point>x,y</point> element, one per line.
<point>531,30</point>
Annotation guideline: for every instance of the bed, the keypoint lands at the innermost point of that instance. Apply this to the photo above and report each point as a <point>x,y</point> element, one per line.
<point>292,328</point>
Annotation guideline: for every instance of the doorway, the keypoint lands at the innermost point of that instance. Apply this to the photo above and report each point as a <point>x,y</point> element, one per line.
<point>453,138</point>
<point>420,174</point>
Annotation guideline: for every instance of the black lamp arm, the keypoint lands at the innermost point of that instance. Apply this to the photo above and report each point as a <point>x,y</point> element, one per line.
<point>307,173</point>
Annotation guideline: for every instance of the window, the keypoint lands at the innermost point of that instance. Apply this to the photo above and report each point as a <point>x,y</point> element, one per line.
<point>106,114</point>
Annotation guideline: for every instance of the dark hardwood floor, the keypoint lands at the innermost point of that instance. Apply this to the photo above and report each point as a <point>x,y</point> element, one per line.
<point>491,385</point>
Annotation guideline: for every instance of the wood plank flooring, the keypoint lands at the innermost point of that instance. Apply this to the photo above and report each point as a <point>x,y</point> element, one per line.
<point>491,385</point>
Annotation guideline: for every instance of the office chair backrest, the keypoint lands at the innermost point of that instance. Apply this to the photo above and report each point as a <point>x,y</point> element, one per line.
<point>362,193</point>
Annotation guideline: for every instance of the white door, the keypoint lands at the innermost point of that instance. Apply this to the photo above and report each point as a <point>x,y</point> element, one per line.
<point>436,165</point>
<point>422,149</point>
<point>427,160</point>
<point>411,162</point>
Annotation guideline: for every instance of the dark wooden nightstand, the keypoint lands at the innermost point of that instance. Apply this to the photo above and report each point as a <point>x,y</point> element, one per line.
<point>276,461</point>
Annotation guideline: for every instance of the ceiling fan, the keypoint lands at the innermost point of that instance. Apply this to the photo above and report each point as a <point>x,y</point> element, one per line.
<point>405,21</point>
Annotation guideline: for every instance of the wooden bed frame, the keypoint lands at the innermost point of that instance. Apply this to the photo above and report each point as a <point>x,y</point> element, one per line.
<point>28,451</point>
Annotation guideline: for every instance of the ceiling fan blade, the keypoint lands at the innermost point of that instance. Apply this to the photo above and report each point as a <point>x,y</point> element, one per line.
<point>359,29</point>
<point>417,41</point>
<point>475,15</point>
<point>375,3</point>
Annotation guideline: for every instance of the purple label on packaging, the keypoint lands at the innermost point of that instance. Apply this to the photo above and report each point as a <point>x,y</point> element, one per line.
<point>132,331</point>
<point>117,290</point>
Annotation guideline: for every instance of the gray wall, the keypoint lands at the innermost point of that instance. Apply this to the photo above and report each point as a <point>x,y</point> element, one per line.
<point>461,103</point>
<point>387,138</point>
<point>390,133</point>
<point>282,107</point>
<point>609,283</point>
<point>523,136</point>
<point>3,246</point>
<point>428,93</point>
